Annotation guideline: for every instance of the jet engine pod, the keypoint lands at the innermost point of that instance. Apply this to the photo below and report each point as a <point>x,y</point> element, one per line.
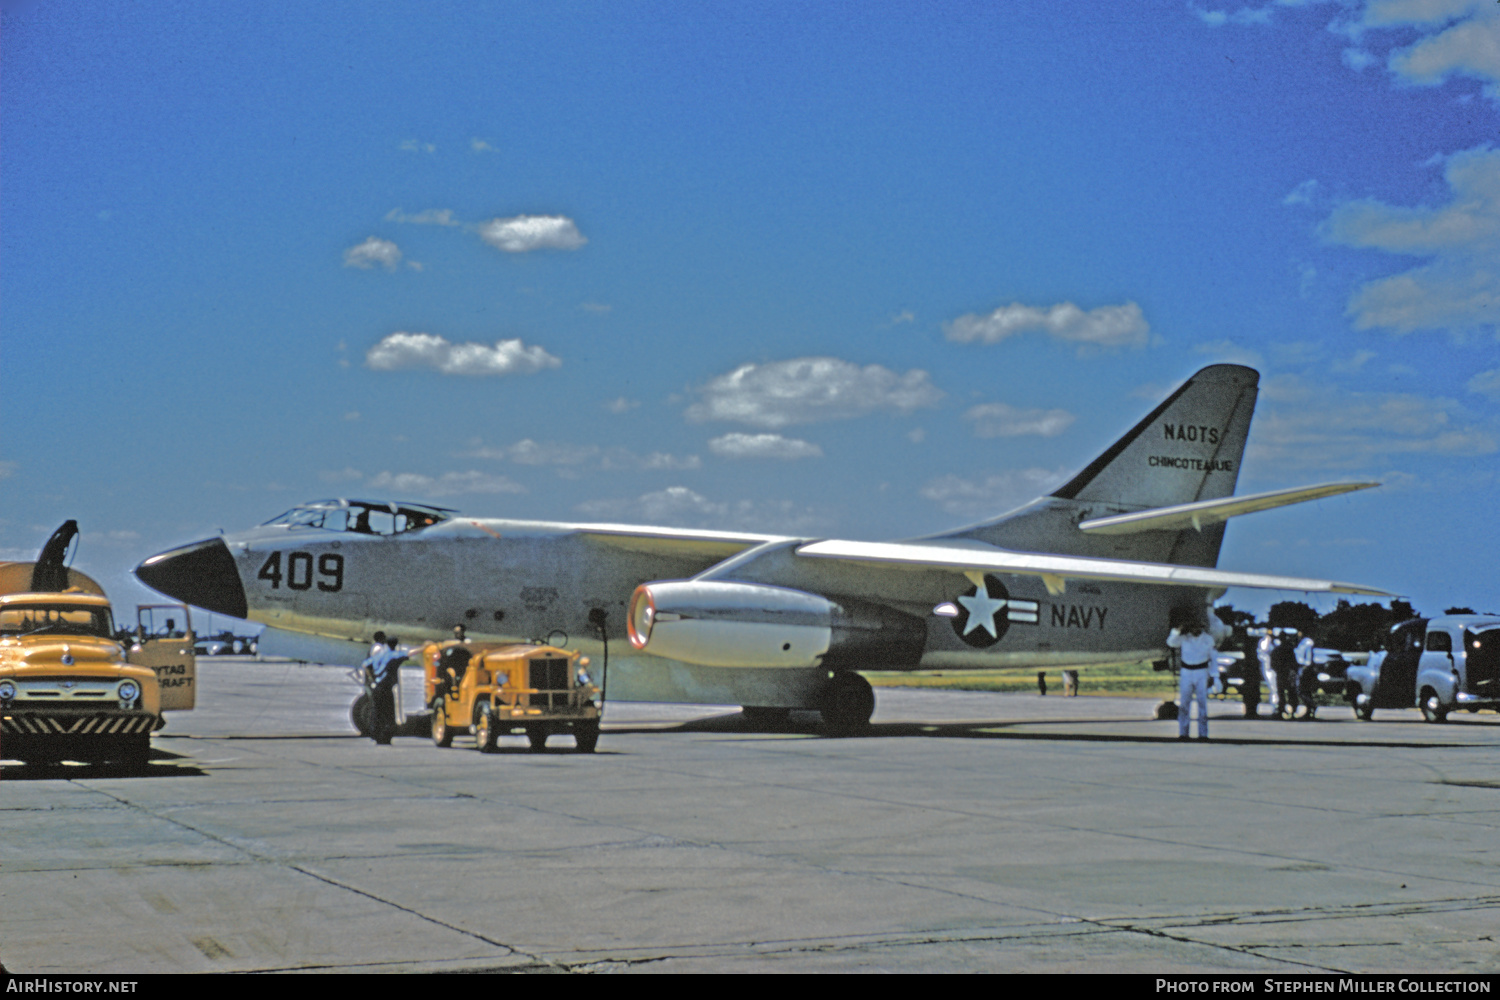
<point>725,624</point>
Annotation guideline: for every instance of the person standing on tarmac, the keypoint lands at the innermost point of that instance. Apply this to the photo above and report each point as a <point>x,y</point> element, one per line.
<point>381,671</point>
<point>1307,676</point>
<point>1197,649</point>
<point>1284,666</point>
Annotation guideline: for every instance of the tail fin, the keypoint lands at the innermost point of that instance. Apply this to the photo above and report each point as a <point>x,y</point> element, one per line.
<point>1188,448</point>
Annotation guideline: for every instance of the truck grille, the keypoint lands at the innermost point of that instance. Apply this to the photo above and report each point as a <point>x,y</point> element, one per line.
<point>76,724</point>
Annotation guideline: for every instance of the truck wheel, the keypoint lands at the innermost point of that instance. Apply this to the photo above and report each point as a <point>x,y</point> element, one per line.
<point>848,703</point>
<point>359,714</point>
<point>538,739</point>
<point>442,733</point>
<point>1433,709</point>
<point>586,734</point>
<point>484,729</point>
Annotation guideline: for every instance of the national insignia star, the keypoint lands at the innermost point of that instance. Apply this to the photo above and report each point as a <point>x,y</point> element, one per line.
<point>982,610</point>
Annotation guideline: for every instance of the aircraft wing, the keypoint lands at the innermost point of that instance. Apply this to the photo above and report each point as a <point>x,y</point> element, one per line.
<point>1196,515</point>
<point>675,541</point>
<point>1056,569</point>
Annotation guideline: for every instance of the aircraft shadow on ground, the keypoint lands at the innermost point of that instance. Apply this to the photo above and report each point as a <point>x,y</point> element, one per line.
<point>808,724</point>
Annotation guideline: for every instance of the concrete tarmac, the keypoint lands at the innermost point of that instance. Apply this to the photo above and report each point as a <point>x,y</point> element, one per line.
<point>965,832</point>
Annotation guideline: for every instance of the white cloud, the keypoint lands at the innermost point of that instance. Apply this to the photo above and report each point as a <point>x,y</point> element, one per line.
<point>1459,290</point>
<point>413,146</point>
<point>372,252</point>
<point>426,217</point>
<point>7,469</point>
<point>1486,384</point>
<point>993,494</point>
<point>425,350</point>
<point>563,455</point>
<point>805,390</point>
<point>1320,426</point>
<point>448,484</point>
<point>678,505</point>
<point>480,146</point>
<point>1468,43</point>
<point>1245,15</point>
<point>739,445</point>
<point>1002,420</point>
<point>525,233</point>
<point>1229,352</point>
<point>621,405</point>
<point>347,474</point>
<point>1302,194</point>
<point>1354,362</point>
<point>597,308</point>
<point>1104,327</point>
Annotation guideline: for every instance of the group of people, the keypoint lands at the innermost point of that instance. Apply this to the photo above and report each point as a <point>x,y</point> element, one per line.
<point>1286,662</point>
<point>380,671</point>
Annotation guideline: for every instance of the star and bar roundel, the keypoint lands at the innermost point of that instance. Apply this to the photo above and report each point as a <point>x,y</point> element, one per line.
<point>984,616</point>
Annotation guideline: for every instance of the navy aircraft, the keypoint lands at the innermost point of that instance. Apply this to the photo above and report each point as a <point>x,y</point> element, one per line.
<point>1091,573</point>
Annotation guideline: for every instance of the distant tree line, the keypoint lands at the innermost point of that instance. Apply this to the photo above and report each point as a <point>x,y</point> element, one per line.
<point>1350,627</point>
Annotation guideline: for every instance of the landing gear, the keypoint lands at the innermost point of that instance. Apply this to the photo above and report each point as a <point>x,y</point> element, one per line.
<point>764,717</point>
<point>848,703</point>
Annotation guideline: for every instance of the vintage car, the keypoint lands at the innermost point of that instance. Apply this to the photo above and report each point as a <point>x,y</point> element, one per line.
<point>1437,664</point>
<point>493,689</point>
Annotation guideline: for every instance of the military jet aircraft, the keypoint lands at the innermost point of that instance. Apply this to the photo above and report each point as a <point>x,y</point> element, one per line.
<point>1091,573</point>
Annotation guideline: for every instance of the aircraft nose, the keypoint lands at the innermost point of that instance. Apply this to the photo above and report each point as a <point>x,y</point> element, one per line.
<point>202,574</point>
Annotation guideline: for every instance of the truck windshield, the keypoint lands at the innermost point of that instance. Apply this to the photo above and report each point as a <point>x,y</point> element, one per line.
<point>362,517</point>
<point>62,619</point>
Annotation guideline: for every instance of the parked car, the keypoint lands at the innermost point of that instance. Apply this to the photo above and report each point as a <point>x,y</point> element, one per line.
<point>1437,664</point>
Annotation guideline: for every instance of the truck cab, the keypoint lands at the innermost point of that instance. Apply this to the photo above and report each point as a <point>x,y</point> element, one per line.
<point>493,689</point>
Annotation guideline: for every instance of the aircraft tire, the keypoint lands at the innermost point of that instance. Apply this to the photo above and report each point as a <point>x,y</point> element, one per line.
<point>538,739</point>
<point>764,716</point>
<point>442,733</point>
<point>359,714</point>
<point>848,703</point>
<point>485,733</point>
<point>1433,709</point>
<point>586,735</point>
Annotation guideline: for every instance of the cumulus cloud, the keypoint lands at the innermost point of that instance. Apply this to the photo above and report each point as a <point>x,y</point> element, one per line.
<point>1460,38</point>
<point>1229,352</point>
<point>993,494</point>
<point>621,405</point>
<point>739,445</point>
<point>805,390</point>
<point>425,350</point>
<point>1320,426</point>
<point>1002,420</point>
<point>1486,384</point>
<point>562,454</point>
<point>448,484</point>
<point>1459,288</point>
<point>525,233</point>
<point>373,252</point>
<point>678,505</point>
<point>426,217</point>
<point>1104,327</point>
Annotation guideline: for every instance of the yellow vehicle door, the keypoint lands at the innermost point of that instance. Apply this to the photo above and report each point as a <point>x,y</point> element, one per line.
<point>164,642</point>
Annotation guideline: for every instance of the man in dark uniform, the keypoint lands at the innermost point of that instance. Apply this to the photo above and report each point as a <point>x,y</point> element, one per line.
<point>1284,663</point>
<point>380,671</point>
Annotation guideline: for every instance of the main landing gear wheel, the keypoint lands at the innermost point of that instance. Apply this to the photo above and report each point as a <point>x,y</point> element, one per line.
<point>359,714</point>
<point>442,733</point>
<point>1433,709</point>
<point>848,703</point>
<point>586,735</point>
<point>484,730</point>
<point>761,716</point>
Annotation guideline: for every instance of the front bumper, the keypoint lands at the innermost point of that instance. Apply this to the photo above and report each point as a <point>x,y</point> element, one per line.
<point>50,722</point>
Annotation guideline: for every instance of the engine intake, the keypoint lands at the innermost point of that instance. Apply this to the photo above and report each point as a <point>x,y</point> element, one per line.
<point>725,624</point>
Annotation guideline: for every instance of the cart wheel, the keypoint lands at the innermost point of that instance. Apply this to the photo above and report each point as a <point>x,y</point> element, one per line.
<point>484,729</point>
<point>538,739</point>
<point>586,734</point>
<point>442,733</point>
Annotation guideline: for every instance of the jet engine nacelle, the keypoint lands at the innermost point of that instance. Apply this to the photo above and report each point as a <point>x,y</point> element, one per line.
<point>725,624</point>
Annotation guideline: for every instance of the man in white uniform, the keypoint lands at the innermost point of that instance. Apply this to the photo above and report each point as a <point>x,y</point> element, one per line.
<point>1197,649</point>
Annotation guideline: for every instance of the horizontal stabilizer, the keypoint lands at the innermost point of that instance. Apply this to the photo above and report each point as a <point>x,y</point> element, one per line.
<point>1056,569</point>
<point>1196,515</point>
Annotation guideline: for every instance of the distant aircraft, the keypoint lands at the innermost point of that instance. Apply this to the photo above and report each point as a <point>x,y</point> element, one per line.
<point>1091,573</point>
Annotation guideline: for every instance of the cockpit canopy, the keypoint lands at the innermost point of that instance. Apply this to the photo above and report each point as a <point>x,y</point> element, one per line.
<point>363,517</point>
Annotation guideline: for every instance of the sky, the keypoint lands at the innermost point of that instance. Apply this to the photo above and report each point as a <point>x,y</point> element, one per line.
<point>862,270</point>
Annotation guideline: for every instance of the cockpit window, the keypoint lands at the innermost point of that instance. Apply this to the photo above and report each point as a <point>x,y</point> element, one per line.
<point>362,517</point>
<point>20,619</point>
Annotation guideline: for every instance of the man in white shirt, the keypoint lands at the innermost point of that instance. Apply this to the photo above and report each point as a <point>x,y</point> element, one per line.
<point>1197,649</point>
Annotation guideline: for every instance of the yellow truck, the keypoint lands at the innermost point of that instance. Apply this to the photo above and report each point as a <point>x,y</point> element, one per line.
<point>493,689</point>
<point>71,686</point>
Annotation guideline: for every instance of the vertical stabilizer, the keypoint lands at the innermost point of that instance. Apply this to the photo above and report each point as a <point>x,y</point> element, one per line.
<point>1189,448</point>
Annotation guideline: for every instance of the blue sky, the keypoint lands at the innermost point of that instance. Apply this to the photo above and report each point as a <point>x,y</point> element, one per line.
<point>863,270</point>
